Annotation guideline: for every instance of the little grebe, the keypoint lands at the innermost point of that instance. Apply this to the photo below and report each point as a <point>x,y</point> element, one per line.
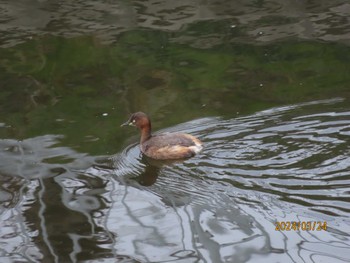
<point>164,146</point>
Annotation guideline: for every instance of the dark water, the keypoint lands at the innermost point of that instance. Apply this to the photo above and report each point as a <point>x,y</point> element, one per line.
<point>265,86</point>
<point>261,21</point>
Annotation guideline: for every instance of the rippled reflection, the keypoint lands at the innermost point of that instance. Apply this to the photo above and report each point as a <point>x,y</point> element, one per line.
<point>262,21</point>
<point>284,164</point>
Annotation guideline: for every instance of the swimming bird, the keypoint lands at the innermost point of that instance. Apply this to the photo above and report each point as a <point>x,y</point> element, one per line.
<point>165,146</point>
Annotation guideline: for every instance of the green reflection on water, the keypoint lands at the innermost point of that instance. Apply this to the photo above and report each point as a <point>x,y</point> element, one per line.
<point>83,89</point>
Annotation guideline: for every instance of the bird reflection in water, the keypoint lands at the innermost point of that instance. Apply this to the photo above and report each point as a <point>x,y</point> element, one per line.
<point>152,170</point>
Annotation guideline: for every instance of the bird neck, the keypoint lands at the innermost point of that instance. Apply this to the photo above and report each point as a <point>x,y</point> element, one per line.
<point>145,133</point>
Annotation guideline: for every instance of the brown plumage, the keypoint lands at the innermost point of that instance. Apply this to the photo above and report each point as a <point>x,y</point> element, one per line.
<point>163,146</point>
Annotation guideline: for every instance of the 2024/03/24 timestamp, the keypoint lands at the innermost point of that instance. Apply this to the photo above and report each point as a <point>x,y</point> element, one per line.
<point>303,226</point>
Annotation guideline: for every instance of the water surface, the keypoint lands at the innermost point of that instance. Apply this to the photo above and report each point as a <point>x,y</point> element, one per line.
<point>283,164</point>
<point>265,86</point>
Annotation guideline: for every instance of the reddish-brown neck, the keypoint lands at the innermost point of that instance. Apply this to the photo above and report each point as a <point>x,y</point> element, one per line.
<point>145,133</point>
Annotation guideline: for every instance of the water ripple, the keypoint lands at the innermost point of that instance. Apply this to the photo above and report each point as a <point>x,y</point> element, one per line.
<point>284,164</point>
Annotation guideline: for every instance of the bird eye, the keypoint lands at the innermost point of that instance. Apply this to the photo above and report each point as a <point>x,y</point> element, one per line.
<point>133,121</point>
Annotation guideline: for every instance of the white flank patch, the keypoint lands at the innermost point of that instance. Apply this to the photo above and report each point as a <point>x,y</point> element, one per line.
<point>196,148</point>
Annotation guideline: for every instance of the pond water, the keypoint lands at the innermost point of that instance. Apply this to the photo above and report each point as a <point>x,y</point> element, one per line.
<point>264,85</point>
<point>283,164</point>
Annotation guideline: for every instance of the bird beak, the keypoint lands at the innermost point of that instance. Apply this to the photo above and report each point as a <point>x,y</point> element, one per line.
<point>125,123</point>
<point>128,123</point>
